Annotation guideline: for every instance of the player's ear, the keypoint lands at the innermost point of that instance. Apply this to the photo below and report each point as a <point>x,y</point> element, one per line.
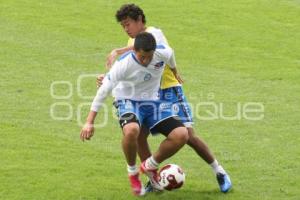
<point>140,18</point>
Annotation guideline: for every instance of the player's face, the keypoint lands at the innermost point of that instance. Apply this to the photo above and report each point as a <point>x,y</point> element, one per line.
<point>132,27</point>
<point>144,57</point>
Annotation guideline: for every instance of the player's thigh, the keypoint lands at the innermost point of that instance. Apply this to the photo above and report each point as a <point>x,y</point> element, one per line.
<point>179,134</point>
<point>173,129</point>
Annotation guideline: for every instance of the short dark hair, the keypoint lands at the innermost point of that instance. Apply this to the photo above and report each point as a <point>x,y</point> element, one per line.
<point>132,11</point>
<point>144,41</point>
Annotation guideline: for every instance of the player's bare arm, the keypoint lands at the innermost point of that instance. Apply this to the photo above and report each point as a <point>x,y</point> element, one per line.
<point>99,80</point>
<point>114,53</point>
<point>88,129</point>
<point>177,75</point>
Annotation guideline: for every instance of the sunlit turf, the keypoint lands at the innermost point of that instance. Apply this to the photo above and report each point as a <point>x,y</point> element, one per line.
<point>229,53</point>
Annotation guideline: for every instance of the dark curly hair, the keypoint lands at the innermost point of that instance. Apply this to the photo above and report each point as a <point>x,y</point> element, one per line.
<point>132,11</point>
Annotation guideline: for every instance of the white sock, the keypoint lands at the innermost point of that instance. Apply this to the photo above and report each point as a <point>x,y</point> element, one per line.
<point>151,163</point>
<point>217,168</point>
<point>132,170</point>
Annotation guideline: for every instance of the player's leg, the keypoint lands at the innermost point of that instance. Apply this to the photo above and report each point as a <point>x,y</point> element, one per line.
<point>204,152</point>
<point>129,123</point>
<point>176,136</point>
<point>199,146</point>
<point>183,110</point>
<point>144,151</point>
<point>129,142</point>
<point>143,146</point>
<point>131,130</point>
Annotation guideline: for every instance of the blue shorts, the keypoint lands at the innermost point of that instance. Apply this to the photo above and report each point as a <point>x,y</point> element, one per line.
<point>180,106</point>
<point>148,113</point>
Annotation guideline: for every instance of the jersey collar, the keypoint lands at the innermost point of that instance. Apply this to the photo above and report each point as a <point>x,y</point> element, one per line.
<point>136,60</point>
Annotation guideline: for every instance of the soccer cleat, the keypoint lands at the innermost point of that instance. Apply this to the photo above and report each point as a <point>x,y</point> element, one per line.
<point>224,182</point>
<point>152,175</point>
<point>148,187</point>
<point>136,185</point>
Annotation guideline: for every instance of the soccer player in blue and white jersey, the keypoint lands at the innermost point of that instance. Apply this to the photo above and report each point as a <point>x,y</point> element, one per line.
<point>137,76</point>
<point>133,21</point>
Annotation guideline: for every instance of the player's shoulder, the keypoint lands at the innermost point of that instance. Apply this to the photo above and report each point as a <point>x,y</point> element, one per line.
<point>126,60</point>
<point>158,34</point>
<point>155,31</point>
<point>162,47</point>
<point>125,56</point>
<point>163,50</point>
<point>123,62</point>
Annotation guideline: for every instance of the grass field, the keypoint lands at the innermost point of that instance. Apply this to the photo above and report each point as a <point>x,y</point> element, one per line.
<point>228,52</point>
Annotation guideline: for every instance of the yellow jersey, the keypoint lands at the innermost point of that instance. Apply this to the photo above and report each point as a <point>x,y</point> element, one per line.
<point>168,79</point>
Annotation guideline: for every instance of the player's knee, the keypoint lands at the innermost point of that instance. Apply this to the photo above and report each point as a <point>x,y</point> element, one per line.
<point>131,130</point>
<point>192,141</point>
<point>192,138</point>
<point>185,134</point>
<point>180,134</point>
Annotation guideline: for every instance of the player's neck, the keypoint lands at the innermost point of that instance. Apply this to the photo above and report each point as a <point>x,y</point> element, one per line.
<point>144,28</point>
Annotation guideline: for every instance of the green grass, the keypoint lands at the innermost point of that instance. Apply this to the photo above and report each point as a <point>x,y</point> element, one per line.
<point>228,52</point>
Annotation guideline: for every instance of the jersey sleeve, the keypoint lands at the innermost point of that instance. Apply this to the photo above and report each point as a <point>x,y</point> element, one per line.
<point>158,35</point>
<point>115,75</point>
<point>117,72</point>
<point>172,62</point>
<point>167,54</point>
<point>161,39</point>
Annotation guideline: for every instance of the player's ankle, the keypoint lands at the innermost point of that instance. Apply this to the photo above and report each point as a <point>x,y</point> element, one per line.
<point>151,163</point>
<point>132,170</point>
<point>216,167</point>
<point>221,170</point>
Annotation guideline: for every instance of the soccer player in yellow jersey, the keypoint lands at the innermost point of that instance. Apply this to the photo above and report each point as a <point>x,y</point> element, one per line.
<point>133,21</point>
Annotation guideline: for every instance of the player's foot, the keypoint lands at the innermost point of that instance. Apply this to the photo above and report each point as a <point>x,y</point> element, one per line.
<point>224,182</point>
<point>136,185</point>
<point>152,175</point>
<point>148,187</point>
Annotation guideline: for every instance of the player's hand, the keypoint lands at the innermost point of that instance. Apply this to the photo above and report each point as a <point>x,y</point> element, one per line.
<point>179,79</point>
<point>87,131</point>
<point>99,80</point>
<point>111,58</point>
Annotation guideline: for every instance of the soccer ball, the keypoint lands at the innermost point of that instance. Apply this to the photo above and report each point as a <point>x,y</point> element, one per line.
<point>171,177</point>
